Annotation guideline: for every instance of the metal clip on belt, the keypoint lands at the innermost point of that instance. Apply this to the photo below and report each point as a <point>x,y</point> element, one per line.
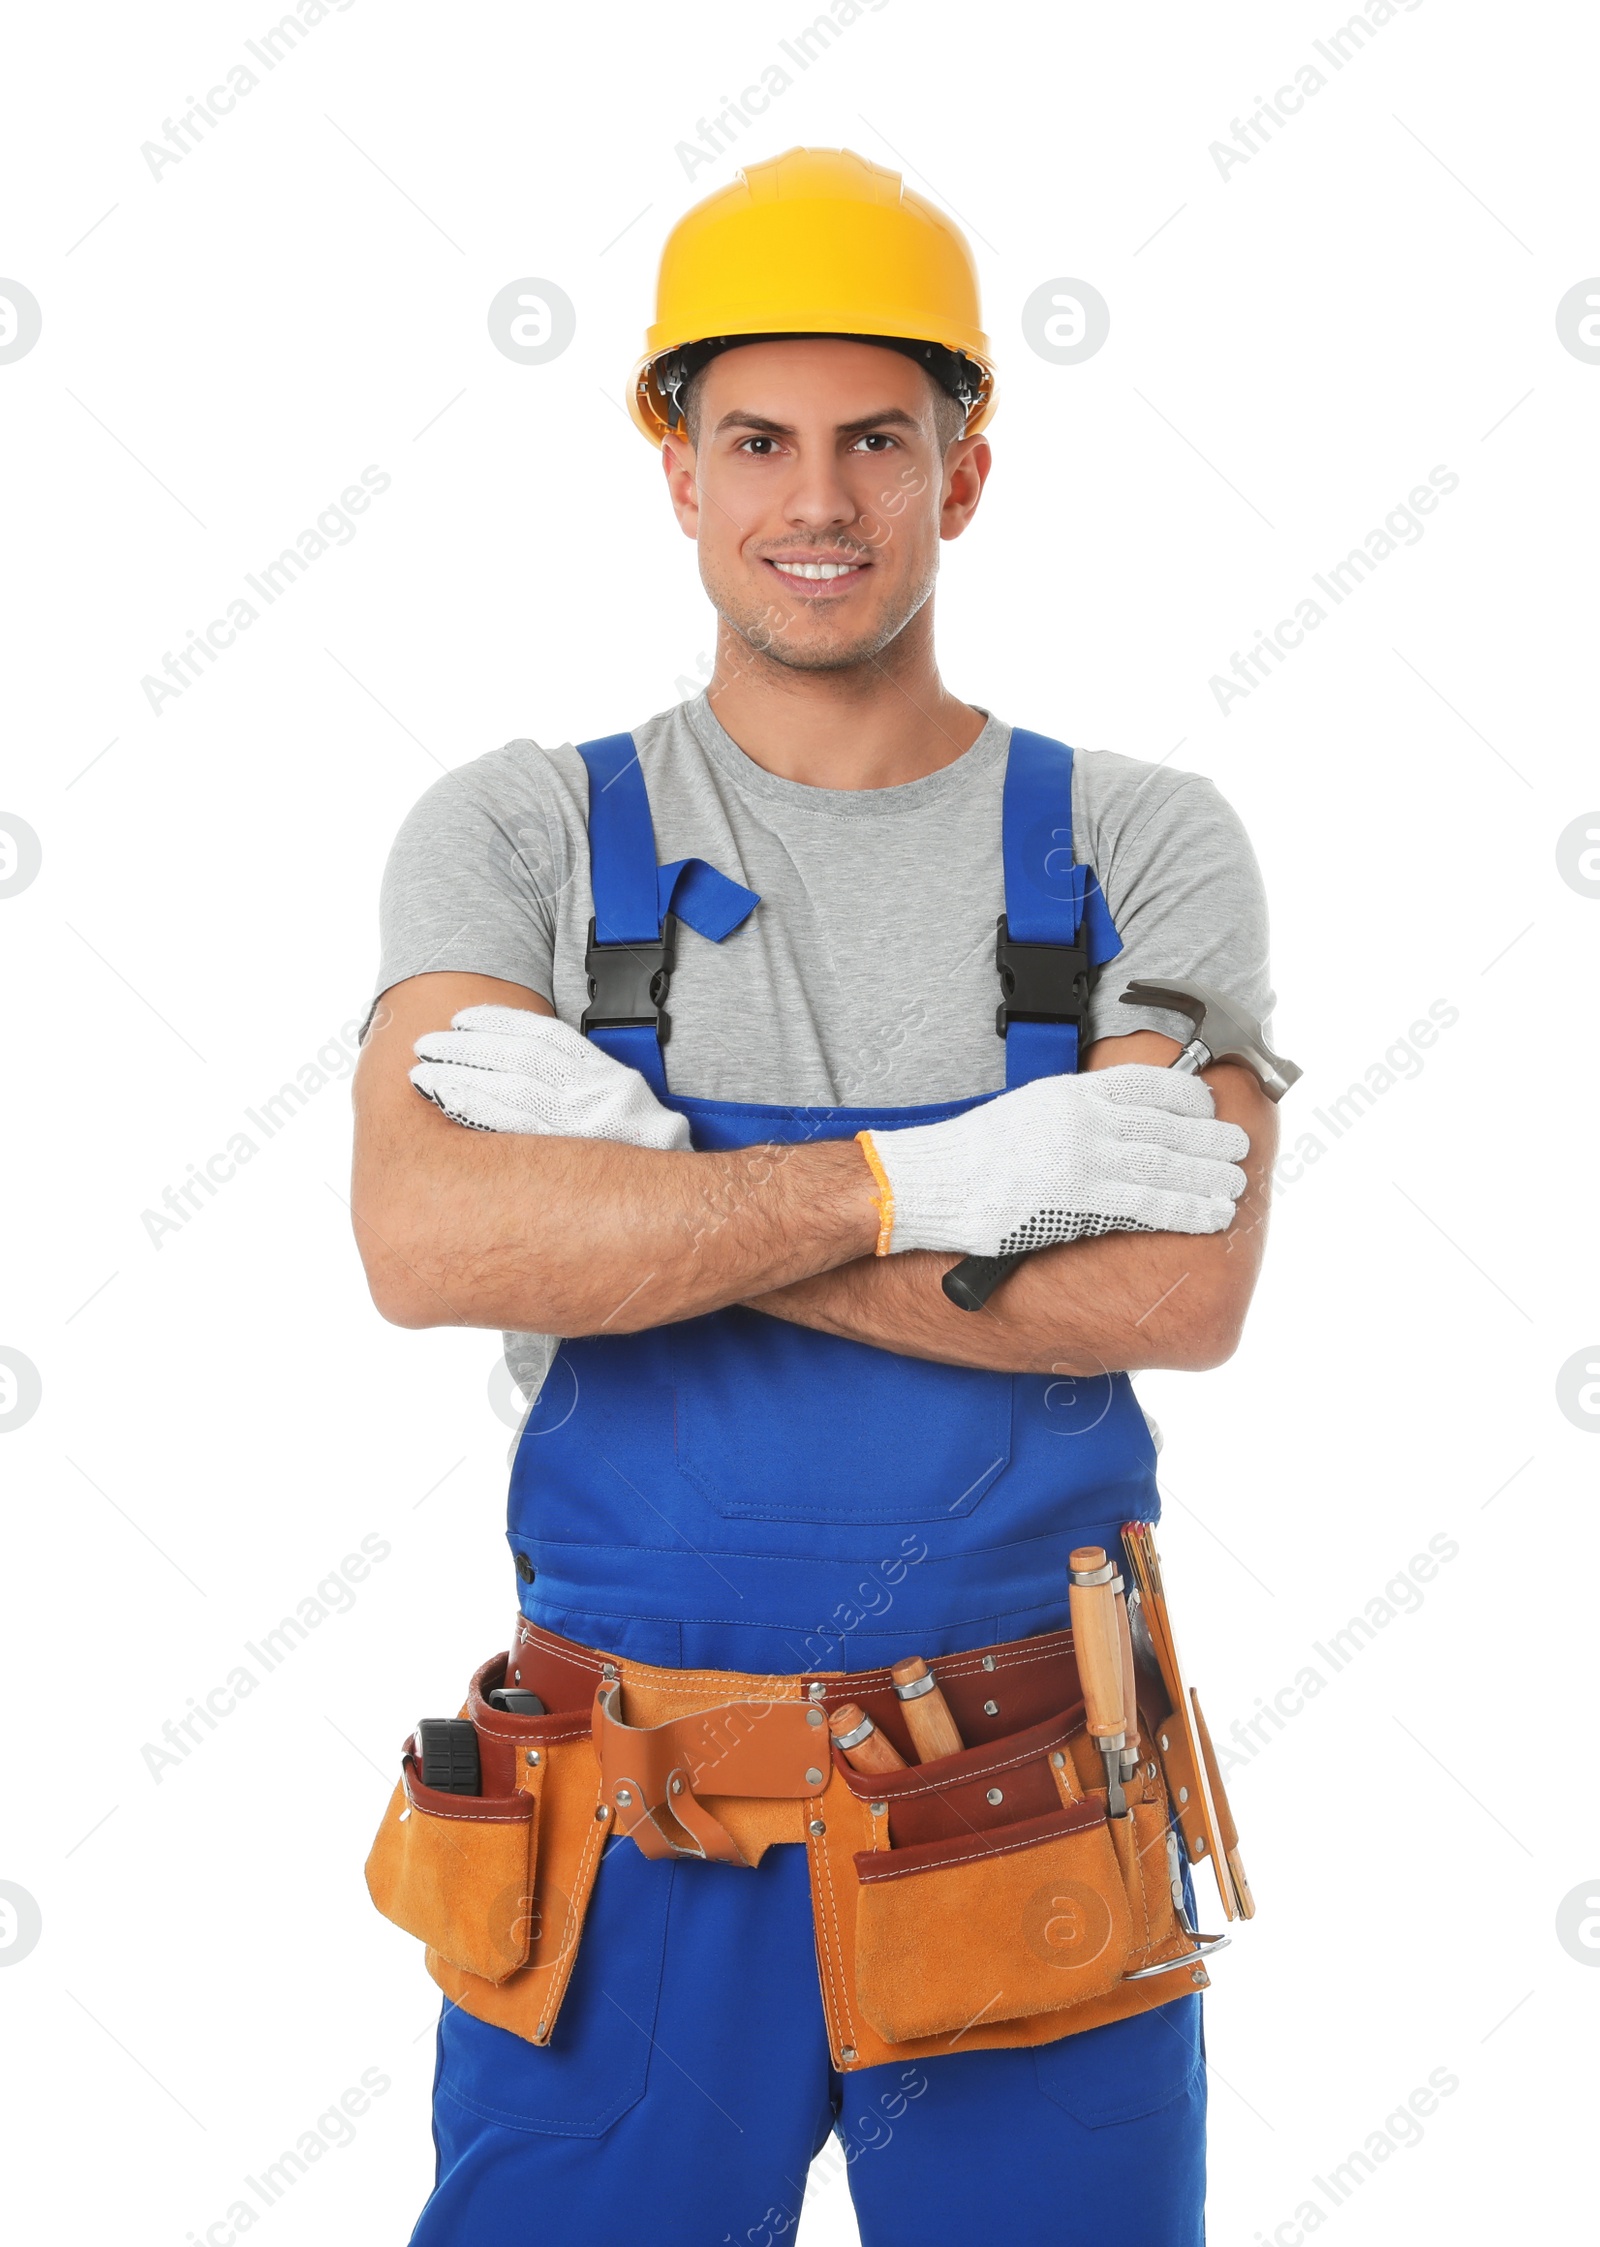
<point>652,1776</point>
<point>1204,1944</point>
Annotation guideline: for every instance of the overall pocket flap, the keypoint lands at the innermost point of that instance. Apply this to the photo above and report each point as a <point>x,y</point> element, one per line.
<point>1022,1919</point>
<point>455,1870</point>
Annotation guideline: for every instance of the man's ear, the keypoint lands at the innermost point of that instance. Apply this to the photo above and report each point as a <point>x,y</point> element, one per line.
<point>966,471</point>
<point>678,466</point>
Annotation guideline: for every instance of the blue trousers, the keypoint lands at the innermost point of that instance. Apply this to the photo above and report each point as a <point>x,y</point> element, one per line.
<point>688,2089</point>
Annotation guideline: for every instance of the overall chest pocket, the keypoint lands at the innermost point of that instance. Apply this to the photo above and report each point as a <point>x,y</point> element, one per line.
<point>773,1422</point>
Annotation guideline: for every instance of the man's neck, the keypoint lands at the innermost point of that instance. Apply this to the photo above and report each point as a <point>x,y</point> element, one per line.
<point>871,725</point>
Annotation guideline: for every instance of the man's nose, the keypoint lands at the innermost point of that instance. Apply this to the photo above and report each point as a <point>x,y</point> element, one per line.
<point>819,497</point>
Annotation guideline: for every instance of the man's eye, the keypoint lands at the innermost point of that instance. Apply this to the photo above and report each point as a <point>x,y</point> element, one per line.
<point>875,438</point>
<point>749,441</point>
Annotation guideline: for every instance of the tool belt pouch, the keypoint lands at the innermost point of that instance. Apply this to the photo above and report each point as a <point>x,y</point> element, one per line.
<point>496,1884</point>
<point>995,1900</point>
<point>455,1870</point>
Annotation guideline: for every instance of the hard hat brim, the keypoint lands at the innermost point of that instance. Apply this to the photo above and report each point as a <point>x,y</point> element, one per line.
<point>652,413</point>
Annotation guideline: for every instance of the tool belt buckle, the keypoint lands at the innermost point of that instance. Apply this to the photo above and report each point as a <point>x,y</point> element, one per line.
<point>628,982</point>
<point>1040,982</point>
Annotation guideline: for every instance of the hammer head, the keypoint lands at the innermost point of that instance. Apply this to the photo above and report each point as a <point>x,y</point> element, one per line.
<point>1227,1033</point>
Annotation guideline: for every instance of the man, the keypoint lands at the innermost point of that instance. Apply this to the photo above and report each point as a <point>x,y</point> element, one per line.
<point>770,1445</point>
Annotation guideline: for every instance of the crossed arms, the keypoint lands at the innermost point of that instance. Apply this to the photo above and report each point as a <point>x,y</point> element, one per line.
<point>580,1236</point>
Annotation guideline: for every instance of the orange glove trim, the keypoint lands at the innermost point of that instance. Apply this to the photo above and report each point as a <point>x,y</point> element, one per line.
<point>884,1197</point>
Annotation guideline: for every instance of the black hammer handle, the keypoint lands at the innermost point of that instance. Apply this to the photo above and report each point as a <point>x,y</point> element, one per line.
<point>970,1283</point>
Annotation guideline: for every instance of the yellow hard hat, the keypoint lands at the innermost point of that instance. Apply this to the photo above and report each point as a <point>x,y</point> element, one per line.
<point>815,242</point>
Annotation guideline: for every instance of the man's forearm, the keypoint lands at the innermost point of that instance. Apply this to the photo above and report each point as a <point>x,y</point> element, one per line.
<point>1121,1304</point>
<point>574,1236</point>
<point>581,1235</point>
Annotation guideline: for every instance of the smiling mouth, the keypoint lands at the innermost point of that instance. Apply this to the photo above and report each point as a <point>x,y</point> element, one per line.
<point>818,580</point>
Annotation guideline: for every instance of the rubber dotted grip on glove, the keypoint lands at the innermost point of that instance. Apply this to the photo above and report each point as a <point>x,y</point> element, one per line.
<point>1047,1227</point>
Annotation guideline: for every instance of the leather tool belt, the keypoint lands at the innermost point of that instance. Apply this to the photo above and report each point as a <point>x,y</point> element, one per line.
<point>982,1899</point>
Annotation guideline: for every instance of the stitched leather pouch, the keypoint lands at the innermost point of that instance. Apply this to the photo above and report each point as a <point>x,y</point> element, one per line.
<point>455,1871</point>
<point>497,1885</point>
<point>994,1903</point>
<point>1021,1919</point>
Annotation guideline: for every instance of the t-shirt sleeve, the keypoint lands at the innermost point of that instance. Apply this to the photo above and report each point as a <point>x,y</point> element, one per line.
<point>472,879</point>
<point>1186,895</point>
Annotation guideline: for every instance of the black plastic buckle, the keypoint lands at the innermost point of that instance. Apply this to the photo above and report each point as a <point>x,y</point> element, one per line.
<point>1040,982</point>
<point>628,983</point>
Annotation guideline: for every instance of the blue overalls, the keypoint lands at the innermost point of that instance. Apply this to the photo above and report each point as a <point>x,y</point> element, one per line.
<point>738,1492</point>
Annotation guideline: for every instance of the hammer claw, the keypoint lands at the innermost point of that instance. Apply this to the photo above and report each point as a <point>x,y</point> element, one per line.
<point>1225,1030</point>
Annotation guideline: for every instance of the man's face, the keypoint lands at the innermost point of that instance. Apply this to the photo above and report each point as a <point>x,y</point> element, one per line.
<point>818,494</point>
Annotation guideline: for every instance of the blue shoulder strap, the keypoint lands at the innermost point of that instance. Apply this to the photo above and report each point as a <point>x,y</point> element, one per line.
<point>1050,902</point>
<point>630,943</point>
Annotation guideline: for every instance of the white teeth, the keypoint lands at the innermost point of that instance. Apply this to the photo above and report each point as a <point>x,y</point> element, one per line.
<point>817,569</point>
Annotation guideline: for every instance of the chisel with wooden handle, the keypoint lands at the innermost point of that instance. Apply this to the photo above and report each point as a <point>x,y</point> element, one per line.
<point>927,1713</point>
<point>863,1746</point>
<point>1097,1644</point>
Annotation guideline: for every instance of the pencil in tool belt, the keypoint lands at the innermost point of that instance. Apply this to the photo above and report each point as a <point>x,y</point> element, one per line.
<point>1095,1641</point>
<point>927,1714</point>
<point>862,1744</point>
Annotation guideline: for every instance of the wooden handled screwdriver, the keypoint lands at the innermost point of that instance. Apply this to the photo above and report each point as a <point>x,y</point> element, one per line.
<point>863,1745</point>
<point>927,1713</point>
<point>1095,1640</point>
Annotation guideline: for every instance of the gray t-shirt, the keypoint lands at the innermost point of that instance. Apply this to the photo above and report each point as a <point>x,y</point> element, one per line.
<point>866,976</point>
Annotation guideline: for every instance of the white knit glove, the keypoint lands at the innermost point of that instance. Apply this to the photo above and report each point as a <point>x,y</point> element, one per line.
<point>1135,1149</point>
<point>502,1068</point>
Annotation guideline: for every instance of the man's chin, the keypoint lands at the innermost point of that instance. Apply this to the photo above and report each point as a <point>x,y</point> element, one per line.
<point>812,643</point>
<point>841,655</point>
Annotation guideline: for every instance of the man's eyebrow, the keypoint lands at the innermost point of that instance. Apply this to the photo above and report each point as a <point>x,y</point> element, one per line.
<point>738,418</point>
<point>890,417</point>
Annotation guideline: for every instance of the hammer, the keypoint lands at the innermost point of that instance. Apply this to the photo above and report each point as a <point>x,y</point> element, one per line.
<point>1222,1032</point>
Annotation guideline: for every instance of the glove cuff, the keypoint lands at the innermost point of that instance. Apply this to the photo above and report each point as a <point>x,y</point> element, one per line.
<point>884,1197</point>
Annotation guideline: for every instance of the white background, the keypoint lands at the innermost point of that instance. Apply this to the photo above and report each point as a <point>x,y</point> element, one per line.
<point>1292,349</point>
